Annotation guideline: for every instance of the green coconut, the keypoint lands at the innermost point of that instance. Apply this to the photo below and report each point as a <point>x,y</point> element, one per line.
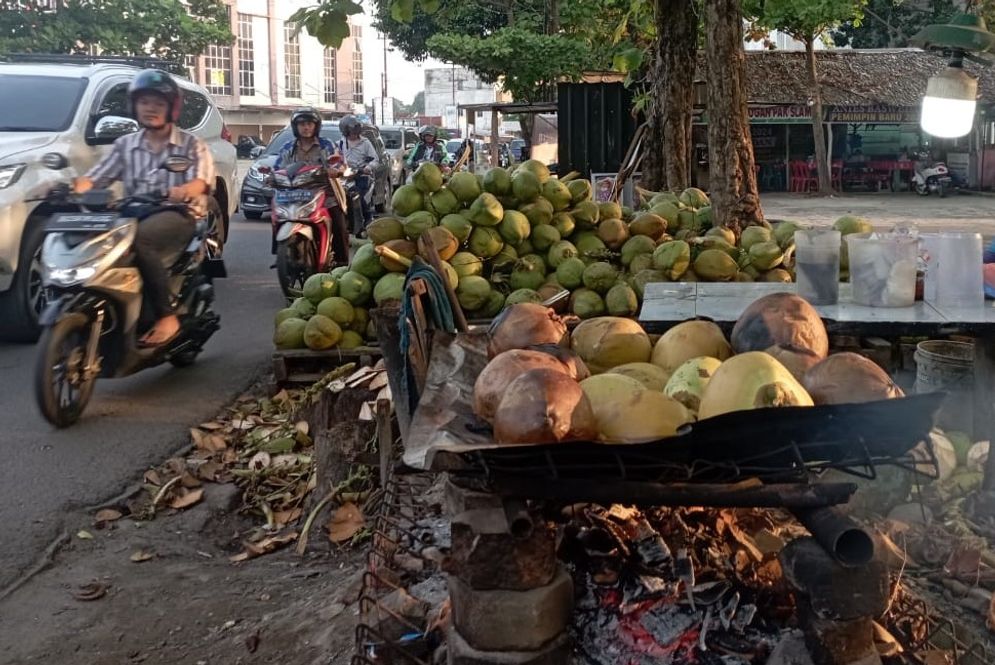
<point>284,314</point>
<point>485,242</point>
<point>614,233</point>
<point>621,300</point>
<point>672,258</point>
<point>564,223</point>
<point>472,292</point>
<point>559,252</point>
<point>303,307</point>
<point>338,309</point>
<point>467,264</point>
<point>640,279</point>
<point>648,224</point>
<point>417,223</point>
<point>715,265</point>
<point>587,304</point>
<point>505,260</point>
<point>586,215</point>
<point>406,200</point>
<point>525,186</point>
<point>514,227</point>
<point>600,277</point>
<point>640,262</point>
<point>355,288</point>
<point>538,212</point>
<point>319,286</point>
<point>753,235</point>
<point>367,263</point>
<point>543,237</point>
<point>444,202</point>
<point>556,193</point>
<point>519,296</point>
<point>321,333</point>
<point>580,190</point>
<point>384,229</point>
<point>465,186</point>
<point>570,273</point>
<point>493,306</point>
<point>635,246</point>
<point>459,226</point>
<point>535,167</point>
<point>529,273</point>
<point>289,334</point>
<point>497,182</point>
<point>427,177</point>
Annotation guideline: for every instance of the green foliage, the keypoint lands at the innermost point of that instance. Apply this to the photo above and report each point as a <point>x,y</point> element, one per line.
<point>327,22</point>
<point>169,29</point>
<point>802,19</point>
<point>891,23</point>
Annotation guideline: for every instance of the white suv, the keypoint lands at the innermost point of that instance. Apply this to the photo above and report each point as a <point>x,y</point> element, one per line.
<point>60,116</point>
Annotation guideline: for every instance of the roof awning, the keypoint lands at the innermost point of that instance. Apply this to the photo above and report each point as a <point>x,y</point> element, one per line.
<point>511,107</point>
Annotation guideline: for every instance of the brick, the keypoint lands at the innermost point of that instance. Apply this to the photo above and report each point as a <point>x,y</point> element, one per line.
<point>557,652</point>
<point>501,620</point>
<point>839,642</point>
<point>460,499</point>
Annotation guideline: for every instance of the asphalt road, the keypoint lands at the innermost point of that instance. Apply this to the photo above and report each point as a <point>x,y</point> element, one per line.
<point>130,423</point>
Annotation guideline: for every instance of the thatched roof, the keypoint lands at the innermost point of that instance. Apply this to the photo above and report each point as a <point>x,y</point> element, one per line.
<point>851,77</point>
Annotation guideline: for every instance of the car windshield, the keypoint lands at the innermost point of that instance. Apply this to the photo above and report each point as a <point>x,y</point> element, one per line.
<point>285,136</point>
<point>44,103</point>
<point>453,145</point>
<point>391,138</point>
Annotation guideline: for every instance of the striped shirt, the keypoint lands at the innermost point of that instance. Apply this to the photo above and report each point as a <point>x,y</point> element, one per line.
<point>132,161</point>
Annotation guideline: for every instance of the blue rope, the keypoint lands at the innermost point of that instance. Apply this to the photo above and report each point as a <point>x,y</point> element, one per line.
<point>437,309</point>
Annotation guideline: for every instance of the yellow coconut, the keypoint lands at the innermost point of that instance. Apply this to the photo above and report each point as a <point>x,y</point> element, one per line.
<point>691,339</point>
<point>648,374</point>
<point>751,380</point>
<point>627,412</point>
<point>609,341</point>
<point>687,383</point>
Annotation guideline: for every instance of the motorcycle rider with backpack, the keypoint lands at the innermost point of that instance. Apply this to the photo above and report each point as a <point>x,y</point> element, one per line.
<point>156,102</point>
<point>428,149</point>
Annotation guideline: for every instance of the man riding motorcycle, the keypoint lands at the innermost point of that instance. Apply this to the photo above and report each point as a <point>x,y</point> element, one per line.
<point>361,157</point>
<point>309,147</point>
<point>156,102</point>
<point>428,149</point>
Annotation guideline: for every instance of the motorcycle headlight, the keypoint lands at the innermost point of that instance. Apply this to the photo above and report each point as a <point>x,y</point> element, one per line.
<point>308,208</point>
<point>9,174</point>
<point>92,255</point>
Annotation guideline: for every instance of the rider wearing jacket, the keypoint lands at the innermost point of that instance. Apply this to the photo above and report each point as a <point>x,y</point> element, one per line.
<point>361,157</point>
<point>309,147</point>
<point>428,149</point>
<point>163,234</point>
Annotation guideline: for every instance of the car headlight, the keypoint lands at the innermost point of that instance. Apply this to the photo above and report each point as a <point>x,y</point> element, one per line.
<point>9,174</point>
<point>253,173</point>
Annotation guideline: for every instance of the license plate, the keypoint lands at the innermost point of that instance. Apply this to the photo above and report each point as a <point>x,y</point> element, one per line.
<point>293,195</point>
<point>81,222</point>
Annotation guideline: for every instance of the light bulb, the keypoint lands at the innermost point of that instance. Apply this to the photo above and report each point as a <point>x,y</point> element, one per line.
<point>950,102</point>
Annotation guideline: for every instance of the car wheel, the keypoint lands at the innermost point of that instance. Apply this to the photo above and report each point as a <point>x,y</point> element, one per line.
<point>388,194</point>
<point>24,302</point>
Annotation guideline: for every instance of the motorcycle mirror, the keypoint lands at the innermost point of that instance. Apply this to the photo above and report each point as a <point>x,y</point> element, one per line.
<point>177,164</point>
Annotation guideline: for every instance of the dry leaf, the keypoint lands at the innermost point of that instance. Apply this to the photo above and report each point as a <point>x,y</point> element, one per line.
<point>188,480</point>
<point>964,561</point>
<point>259,461</point>
<point>345,523</point>
<point>83,534</point>
<point>187,499</point>
<point>152,477</point>
<point>282,396</point>
<point>91,591</point>
<point>379,381</point>
<point>141,555</point>
<point>209,470</point>
<point>285,461</point>
<point>302,426</point>
<point>284,517</point>
<point>265,546</point>
<point>107,515</point>
<point>211,426</point>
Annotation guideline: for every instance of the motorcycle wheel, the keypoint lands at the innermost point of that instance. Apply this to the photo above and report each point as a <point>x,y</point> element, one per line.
<point>922,189</point>
<point>296,260</point>
<point>60,391</point>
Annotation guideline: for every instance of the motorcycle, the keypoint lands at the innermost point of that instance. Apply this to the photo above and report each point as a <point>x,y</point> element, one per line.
<point>356,200</point>
<point>308,206</point>
<point>97,312</point>
<point>935,178</point>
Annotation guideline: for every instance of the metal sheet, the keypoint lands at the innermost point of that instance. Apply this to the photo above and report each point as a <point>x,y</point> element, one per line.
<point>595,126</point>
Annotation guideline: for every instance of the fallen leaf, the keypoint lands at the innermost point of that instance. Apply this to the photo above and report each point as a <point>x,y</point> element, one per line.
<point>209,470</point>
<point>284,444</point>
<point>141,555</point>
<point>152,477</point>
<point>345,523</point>
<point>265,546</point>
<point>197,436</point>
<point>187,499</point>
<point>964,561</point>
<point>379,381</point>
<point>302,426</point>
<point>284,517</point>
<point>83,534</point>
<point>189,481</point>
<point>211,426</point>
<point>282,396</point>
<point>286,461</point>
<point>259,461</point>
<point>91,591</point>
<point>107,515</point>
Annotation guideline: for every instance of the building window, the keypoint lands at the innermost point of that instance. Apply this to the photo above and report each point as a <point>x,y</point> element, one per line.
<point>329,76</point>
<point>190,61</point>
<point>292,58</point>
<point>355,31</point>
<point>246,57</point>
<point>217,69</point>
<point>357,76</point>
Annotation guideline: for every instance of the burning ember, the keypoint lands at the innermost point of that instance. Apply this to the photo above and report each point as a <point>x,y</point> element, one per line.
<point>677,585</point>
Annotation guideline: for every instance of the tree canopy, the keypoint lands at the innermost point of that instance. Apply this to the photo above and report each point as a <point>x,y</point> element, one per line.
<point>168,29</point>
<point>892,23</point>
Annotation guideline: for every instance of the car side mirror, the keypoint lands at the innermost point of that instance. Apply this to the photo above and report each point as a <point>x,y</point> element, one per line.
<point>112,127</point>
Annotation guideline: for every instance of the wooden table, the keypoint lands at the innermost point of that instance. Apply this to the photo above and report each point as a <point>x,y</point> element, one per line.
<point>668,303</point>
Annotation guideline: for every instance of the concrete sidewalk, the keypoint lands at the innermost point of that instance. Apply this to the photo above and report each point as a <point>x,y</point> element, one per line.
<point>961,212</point>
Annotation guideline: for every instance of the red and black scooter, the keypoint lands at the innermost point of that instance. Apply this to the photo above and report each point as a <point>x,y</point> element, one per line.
<point>310,232</point>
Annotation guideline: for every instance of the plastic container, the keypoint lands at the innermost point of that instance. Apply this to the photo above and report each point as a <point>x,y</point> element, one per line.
<point>817,265</point>
<point>960,281</point>
<point>882,269</point>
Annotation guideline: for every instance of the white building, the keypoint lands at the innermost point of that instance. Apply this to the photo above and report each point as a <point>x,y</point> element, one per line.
<point>448,88</point>
<point>269,70</point>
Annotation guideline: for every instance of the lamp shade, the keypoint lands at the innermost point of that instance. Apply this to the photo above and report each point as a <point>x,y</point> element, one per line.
<point>950,102</point>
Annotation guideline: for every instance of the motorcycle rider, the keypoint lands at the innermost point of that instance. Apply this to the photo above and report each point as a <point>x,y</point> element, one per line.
<point>428,149</point>
<point>163,233</point>
<point>361,157</point>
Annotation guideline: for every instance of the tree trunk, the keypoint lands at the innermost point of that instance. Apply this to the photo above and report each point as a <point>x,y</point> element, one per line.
<point>666,164</point>
<point>818,129</point>
<point>733,180</point>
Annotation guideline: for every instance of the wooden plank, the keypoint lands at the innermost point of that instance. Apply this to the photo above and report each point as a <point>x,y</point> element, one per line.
<point>385,439</point>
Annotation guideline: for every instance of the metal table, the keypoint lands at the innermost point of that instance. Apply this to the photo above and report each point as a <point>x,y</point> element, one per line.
<point>667,304</point>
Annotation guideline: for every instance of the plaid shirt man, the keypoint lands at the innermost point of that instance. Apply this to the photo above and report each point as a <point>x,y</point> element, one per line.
<point>132,161</point>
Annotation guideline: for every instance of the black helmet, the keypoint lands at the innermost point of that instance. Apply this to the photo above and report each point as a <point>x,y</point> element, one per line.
<point>160,83</point>
<point>428,129</point>
<point>348,124</point>
<point>305,114</point>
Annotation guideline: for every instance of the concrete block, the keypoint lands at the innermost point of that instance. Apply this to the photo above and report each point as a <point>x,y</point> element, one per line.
<point>557,652</point>
<point>501,560</point>
<point>501,620</point>
<point>460,499</point>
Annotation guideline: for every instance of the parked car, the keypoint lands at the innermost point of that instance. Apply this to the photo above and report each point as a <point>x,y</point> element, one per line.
<point>256,197</point>
<point>398,140</point>
<point>246,144</point>
<point>517,145</point>
<point>68,111</point>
